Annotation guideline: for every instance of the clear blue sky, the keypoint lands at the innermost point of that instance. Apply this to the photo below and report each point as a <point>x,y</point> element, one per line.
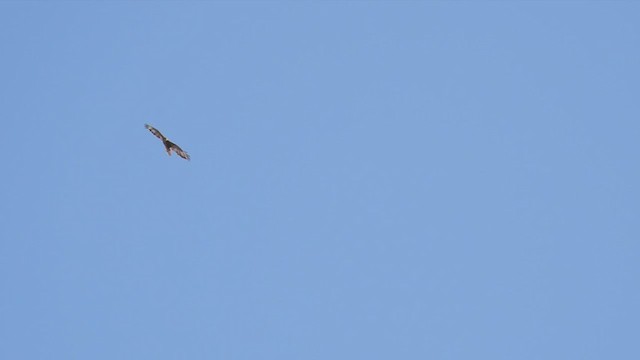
<point>369,180</point>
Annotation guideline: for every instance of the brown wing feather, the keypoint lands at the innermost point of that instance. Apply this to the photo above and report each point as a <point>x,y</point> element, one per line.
<point>155,132</point>
<point>183,154</point>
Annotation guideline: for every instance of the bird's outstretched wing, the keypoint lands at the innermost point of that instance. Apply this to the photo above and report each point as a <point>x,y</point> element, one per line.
<point>183,154</point>
<point>155,132</point>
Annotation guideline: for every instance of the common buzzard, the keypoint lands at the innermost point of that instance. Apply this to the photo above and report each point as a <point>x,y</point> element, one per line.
<point>168,145</point>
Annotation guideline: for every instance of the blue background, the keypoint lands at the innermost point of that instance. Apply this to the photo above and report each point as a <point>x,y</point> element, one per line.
<point>369,180</point>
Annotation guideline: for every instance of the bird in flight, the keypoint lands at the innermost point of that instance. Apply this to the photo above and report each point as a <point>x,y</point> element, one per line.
<point>168,145</point>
